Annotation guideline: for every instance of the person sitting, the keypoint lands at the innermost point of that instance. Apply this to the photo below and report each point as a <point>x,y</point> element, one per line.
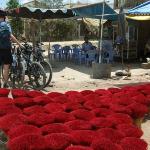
<point>88,49</point>
<point>86,46</point>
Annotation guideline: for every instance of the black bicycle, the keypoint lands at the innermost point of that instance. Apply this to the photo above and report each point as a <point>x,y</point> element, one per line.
<point>17,70</point>
<point>38,57</point>
<point>34,70</point>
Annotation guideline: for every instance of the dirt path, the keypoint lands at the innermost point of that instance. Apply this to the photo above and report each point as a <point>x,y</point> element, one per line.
<point>68,76</point>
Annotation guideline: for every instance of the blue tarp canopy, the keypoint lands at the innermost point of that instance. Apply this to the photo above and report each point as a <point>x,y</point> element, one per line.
<point>39,13</point>
<point>95,11</point>
<point>143,9</point>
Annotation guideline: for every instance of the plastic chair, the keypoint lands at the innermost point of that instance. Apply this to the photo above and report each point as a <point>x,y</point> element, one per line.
<point>105,57</point>
<point>66,52</point>
<point>57,51</point>
<point>90,56</point>
<point>77,55</point>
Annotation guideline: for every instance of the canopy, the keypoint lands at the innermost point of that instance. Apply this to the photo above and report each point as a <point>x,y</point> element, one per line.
<point>38,13</point>
<point>95,11</point>
<point>140,12</point>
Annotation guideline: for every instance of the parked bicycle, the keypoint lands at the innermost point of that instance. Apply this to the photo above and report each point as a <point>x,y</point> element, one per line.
<point>17,70</point>
<point>38,57</point>
<point>34,70</point>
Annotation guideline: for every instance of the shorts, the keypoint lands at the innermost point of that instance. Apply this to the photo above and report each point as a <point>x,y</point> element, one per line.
<point>5,57</point>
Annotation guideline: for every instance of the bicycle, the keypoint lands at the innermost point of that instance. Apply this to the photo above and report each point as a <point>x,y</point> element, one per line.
<point>38,57</point>
<point>17,70</point>
<point>34,70</point>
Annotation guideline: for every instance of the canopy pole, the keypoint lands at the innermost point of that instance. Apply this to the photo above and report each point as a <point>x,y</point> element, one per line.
<point>101,36</point>
<point>40,32</point>
<point>49,47</point>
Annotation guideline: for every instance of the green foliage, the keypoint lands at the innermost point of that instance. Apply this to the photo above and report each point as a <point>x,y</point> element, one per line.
<point>16,23</point>
<point>12,4</point>
<point>61,29</point>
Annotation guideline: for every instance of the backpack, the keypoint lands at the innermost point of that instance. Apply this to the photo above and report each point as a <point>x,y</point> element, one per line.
<point>5,42</point>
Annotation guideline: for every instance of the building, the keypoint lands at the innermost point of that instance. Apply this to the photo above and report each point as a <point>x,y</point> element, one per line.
<point>127,4</point>
<point>132,47</point>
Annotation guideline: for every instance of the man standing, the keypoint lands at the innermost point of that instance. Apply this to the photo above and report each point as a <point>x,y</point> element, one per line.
<point>107,45</point>
<point>5,45</point>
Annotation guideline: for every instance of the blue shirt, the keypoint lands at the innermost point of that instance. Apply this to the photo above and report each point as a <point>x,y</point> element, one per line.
<point>87,46</point>
<point>6,23</point>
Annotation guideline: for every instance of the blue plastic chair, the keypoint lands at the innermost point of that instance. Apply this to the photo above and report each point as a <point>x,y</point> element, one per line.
<point>90,56</point>
<point>78,55</point>
<point>57,51</point>
<point>66,52</point>
<point>105,57</point>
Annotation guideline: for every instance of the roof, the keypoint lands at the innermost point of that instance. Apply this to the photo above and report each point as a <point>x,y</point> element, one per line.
<point>95,11</point>
<point>143,9</point>
<point>39,13</point>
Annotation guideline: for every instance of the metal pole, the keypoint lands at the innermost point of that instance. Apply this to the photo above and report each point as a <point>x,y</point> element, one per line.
<point>101,36</point>
<point>40,31</point>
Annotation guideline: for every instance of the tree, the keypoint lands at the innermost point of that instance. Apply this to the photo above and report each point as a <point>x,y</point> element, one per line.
<point>16,23</point>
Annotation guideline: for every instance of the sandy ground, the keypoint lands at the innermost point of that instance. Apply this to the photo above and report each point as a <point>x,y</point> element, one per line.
<point>69,76</point>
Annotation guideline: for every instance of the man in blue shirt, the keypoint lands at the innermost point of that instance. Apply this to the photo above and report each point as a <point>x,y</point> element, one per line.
<point>86,46</point>
<point>5,46</point>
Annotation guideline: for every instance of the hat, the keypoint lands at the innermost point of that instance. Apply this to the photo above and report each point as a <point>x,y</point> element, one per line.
<point>2,13</point>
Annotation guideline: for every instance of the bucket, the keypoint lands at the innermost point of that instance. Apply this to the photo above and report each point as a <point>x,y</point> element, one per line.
<point>100,70</point>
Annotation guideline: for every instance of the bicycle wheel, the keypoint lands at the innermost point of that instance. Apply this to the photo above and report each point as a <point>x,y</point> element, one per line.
<point>48,70</point>
<point>17,75</point>
<point>37,76</point>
